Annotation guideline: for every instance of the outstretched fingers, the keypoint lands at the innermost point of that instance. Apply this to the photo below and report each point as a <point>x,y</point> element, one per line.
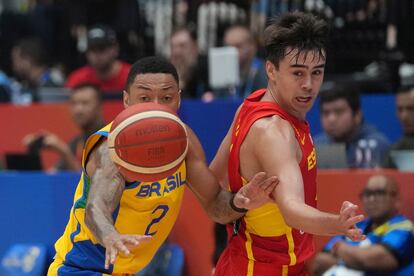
<point>258,179</point>
<point>121,246</point>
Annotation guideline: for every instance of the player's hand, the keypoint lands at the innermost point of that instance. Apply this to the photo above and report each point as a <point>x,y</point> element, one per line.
<point>117,243</point>
<point>348,220</point>
<point>256,192</point>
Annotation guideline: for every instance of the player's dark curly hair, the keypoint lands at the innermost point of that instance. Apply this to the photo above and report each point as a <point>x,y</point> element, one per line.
<point>150,65</point>
<point>295,31</point>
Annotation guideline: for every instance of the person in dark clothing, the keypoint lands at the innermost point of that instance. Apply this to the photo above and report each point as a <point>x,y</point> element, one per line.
<point>342,121</point>
<point>405,114</point>
<point>191,66</point>
<point>86,111</point>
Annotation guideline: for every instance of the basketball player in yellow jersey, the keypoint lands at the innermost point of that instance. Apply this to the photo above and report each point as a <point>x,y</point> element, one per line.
<point>116,224</point>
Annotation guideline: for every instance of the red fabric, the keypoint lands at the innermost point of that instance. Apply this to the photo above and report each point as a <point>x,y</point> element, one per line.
<point>87,74</point>
<point>234,264</point>
<point>271,249</point>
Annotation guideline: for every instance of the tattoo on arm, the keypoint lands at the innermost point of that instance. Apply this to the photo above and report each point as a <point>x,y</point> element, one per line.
<point>222,210</point>
<point>107,186</point>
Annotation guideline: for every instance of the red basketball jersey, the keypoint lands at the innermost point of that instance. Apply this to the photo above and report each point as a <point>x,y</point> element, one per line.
<point>264,236</point>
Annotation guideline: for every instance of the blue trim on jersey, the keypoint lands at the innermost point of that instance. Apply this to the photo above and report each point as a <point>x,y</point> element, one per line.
<point>87,256</point>
<point>132,185</point>
<point>71,271</point>
<point>116,212</point>
<point>103,133</point>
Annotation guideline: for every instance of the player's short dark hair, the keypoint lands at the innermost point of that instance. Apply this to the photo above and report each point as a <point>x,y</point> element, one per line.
<point>87,85</point>
<point>151,65</point>
<point>296,30</point>
<point>34,49</point>
<point>347,91</point>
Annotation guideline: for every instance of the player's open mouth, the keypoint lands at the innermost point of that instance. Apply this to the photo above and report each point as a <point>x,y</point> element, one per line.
<point>304,99</point>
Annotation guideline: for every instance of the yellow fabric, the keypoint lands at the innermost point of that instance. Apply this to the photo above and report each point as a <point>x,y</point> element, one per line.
<point>147,206</point>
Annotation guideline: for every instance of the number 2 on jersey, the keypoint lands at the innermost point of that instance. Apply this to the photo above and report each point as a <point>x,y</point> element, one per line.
<point>164,209</point>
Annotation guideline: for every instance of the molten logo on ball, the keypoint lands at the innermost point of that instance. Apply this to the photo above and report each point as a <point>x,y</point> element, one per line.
<point>147,142</point>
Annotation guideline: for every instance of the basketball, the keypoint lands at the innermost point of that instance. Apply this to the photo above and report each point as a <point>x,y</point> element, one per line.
<point>147,142</point>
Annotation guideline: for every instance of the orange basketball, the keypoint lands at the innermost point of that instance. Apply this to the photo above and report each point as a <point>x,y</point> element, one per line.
<point>147,142</point>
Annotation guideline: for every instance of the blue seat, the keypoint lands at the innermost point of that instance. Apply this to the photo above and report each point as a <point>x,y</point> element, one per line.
<point>24,260</point>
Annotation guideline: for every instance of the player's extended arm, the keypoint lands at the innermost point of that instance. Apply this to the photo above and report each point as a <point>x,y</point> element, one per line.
<point>277,150</point>
<point>105,192</point>
<point>372,258</point>
<point>214,199</point>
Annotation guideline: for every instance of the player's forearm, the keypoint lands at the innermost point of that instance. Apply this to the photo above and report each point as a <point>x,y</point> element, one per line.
<point>99,221</point>
<point>308,219</point>
<point>220,209</point>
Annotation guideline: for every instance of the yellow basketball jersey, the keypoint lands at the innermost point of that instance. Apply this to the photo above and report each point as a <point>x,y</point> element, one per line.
<point>149,208</point>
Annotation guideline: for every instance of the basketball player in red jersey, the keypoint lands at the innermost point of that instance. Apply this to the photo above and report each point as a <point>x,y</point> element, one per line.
<point>270,133</point>
<point>112,216</point>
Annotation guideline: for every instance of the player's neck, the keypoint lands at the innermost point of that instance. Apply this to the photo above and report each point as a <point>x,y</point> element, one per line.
<point>271,95</point>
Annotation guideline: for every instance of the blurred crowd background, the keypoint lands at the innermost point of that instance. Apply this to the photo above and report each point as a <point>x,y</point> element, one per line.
<point>371,40</point>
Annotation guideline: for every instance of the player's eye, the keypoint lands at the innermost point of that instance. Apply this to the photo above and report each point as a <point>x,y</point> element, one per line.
<point>167,99</point>
<point>145,99</point>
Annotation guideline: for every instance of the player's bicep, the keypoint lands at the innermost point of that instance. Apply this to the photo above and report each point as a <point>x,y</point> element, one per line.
<point>106,183</point>
<point>276,150</point>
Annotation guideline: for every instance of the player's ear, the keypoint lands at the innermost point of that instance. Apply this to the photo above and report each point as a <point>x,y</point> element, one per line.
<point>179,99</point>
<point>270,70</point>
<point>125,98</point>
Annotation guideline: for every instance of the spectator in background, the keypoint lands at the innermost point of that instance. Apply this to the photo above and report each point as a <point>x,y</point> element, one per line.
<point>86,110</point>
<point>6,87</point>
<point>343,122</point>
<point>405,114</point>
<point>251,68</point>
<point>103,69</point>
<point>30,65</point>
<point>191,67</point>
<point>389,246</point>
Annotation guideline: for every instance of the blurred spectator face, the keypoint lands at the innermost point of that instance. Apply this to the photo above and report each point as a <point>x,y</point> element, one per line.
<point>338,119</point>
<point>21,65</point>
<point>380,198</point>
<point>405,111</point>
<point>102,58</point>
<point>85,107</point>
<point>184,50</point>
<point>240,38</point>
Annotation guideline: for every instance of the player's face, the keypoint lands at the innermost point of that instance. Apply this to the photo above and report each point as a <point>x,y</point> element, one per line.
<point>158,88</point>
<point>405,111</point>
<point>338,119</point>
<point>297,81</point>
